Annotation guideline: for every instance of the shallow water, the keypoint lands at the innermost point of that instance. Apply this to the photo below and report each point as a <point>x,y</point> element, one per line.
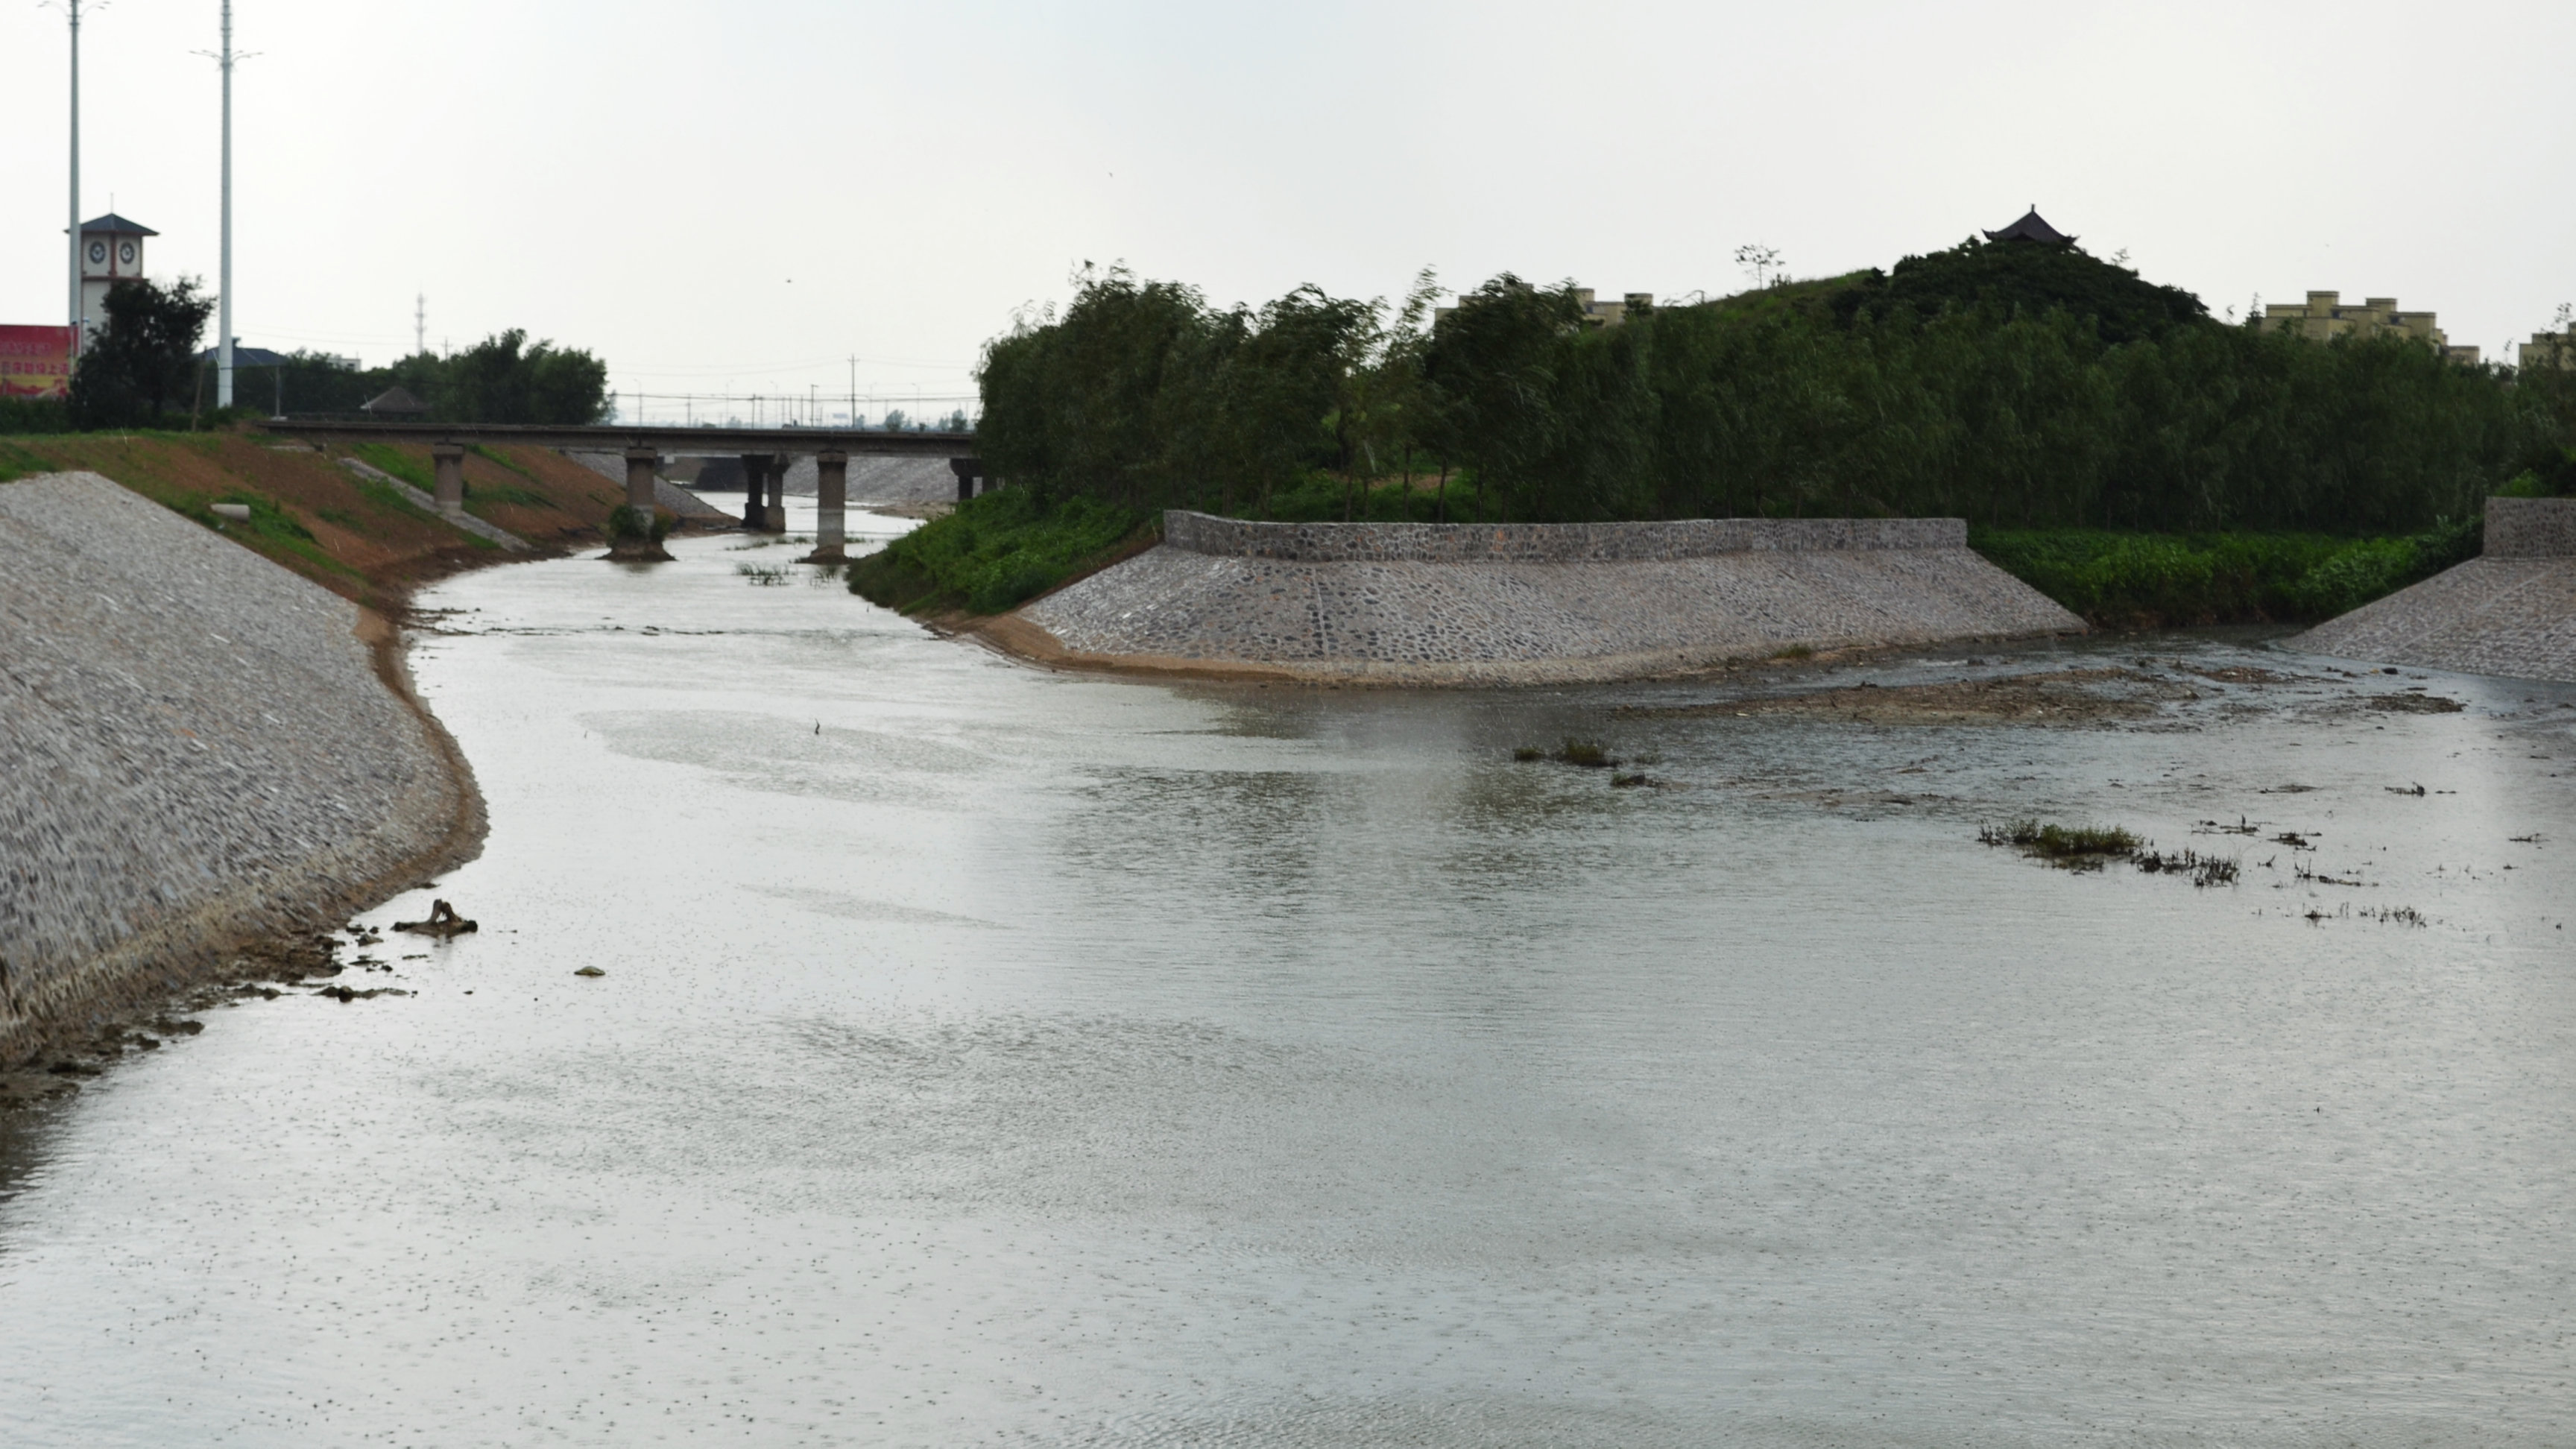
<point>989,1055</point>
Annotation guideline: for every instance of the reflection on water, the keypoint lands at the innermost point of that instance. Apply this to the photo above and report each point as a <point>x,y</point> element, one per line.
<point>993,1055</point>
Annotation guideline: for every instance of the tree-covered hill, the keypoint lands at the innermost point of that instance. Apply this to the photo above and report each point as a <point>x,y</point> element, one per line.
<point>2017,384</point>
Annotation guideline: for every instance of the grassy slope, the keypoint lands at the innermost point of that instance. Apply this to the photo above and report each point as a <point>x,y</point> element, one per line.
<point>2147,580</point>
<point>999,551</point>
<point>351,535</point>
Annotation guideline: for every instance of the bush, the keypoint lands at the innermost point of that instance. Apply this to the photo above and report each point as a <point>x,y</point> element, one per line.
<point>998,551</point>
<point>34,415</point>
<point>627,523</point>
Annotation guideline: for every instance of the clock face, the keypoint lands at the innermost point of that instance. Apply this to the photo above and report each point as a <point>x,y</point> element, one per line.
<point>97,252</point>
<point>125,253</point>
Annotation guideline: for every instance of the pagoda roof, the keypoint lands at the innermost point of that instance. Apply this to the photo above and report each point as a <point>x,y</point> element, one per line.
<point>115,225</point>
<point>2031,228</point>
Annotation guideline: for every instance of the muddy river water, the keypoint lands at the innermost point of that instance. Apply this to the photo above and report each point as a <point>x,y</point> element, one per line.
<point>986,1056</point>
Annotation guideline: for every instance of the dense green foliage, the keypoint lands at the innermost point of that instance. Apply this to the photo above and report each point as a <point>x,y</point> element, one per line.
<point>2134,579</point>
<point>34,415</point>
<point>2023,278</point>
<point>501,379</point>
<point>999,550</point>
<point>138,368</point>
<point>1144,396</point>
<point>2017,385</point>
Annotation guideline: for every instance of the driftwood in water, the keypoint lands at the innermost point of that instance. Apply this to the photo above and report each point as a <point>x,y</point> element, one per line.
<point>443,921</point>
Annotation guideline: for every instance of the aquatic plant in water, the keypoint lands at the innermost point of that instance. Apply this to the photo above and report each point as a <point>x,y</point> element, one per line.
<point>2090,847</point>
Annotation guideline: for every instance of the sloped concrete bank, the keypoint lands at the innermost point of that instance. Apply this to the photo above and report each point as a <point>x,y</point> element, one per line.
<point>2511,611</point>
<point>202,750</point>
<point>1522,603</point>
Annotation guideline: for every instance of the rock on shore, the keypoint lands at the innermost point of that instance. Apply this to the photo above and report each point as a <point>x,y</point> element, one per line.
<point>202,749</point>
<point>1528,603</point>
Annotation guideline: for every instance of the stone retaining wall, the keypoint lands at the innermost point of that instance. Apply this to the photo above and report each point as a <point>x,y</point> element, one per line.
<point>2531,528</point>
<point>2510,612</point>
<point>197,749</point>
<point>1549,542</point>
<point>1524,603</point>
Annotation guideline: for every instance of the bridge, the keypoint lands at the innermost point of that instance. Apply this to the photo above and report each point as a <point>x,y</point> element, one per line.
<point>764,453</point>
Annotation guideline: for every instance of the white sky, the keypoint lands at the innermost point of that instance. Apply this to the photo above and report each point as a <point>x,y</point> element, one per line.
<point>745,194</point>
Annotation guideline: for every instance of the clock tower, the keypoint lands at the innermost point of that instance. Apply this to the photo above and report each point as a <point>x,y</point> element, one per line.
<point>111,252</point>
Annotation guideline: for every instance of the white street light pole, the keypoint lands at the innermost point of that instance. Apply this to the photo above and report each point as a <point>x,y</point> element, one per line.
<point>224,297</point>
<point>73,228</point>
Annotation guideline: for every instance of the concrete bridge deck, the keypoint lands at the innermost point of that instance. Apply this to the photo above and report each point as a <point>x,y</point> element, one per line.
<point>764,453</point>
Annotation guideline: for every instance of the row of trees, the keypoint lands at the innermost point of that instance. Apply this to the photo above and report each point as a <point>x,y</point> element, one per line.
<point>502,379</point>
<point>2012,383</point>
<point>143,369</point>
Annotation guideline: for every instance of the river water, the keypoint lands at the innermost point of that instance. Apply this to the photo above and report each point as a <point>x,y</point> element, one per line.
<point>991,1056</point>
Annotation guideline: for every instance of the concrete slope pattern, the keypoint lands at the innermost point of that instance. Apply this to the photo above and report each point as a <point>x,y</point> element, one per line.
<point>200,749</point>
<point>1469,604</point>
<point>2510,611</point>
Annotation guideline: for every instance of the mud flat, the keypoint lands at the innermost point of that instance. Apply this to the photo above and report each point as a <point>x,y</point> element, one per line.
<point>1522,603</point>
<point>2510,611</point>
<point>205,752</point>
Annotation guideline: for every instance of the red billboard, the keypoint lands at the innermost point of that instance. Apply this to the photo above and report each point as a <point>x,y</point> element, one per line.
<point>35,361</point>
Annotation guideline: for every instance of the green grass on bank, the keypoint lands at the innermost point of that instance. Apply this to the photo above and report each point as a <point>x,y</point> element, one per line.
<point>998,551</point>
<point>2148,580</point>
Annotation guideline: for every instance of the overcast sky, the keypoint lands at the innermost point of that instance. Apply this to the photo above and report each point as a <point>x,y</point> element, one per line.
<point>747,194</point>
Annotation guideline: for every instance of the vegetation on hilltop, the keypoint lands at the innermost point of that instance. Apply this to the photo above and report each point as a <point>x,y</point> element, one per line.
<point>2015,384</point>
<point>2021,277</point>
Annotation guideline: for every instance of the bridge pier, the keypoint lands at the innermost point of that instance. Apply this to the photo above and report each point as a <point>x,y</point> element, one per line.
<point>640,464</point>
<point>969,471</point>
<point>773,519</point>
<point>764,493</point>
<point>447,461</point>
<point>831,506</point>
<point>755,466</point>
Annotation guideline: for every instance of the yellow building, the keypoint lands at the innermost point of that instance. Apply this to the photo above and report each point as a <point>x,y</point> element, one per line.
<point>2325,316</point>
<point>2550,349</point>
<point>1596,313</point>
<point>1610,314</point>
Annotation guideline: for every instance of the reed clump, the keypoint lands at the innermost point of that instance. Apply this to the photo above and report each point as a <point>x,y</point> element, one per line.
<point>2068,847</point>
<point>1586,753</point>
<point>2091,847</point>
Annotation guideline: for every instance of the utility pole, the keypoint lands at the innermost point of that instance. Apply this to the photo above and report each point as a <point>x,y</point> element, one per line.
<point>419,323</point>
<point>224,294</point>
<point>854,390</point>
<point>72,231</point>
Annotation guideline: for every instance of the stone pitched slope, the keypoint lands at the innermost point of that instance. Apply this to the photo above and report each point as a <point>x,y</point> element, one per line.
<point>2511,611</point>
<point>1471,604</point>
<point>201,749</point>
